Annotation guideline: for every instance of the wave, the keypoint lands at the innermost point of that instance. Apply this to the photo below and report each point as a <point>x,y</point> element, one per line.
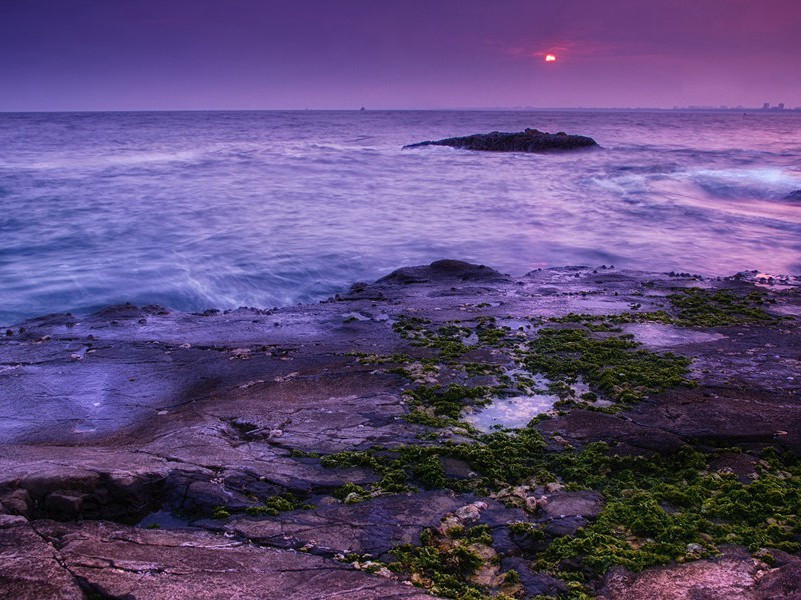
<point>734,184</point>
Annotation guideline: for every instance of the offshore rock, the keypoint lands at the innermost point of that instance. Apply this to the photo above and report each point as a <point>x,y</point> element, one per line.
<point>530,140</point>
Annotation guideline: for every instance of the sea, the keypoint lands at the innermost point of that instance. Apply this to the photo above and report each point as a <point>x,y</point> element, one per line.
<point>194,210</point>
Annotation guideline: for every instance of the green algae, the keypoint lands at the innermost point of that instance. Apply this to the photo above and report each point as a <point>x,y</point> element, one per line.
<point>614,365</point>
<point>450,339</point>
<point>378,359</point>
<point>350,458</point>
<point>448,401</point>
<point>351,493</point>
<point>275,505</point>
<point>498,459</point>
<point>658,509</point>
<point>474,369</point>
<point>526,529</point>
<point>704,308</point>
<point>606,322</point>
<point>478,534</point>
<point>690,307</point>
<point>672,508</point>
<point>443,571</point>
<point>220,512</point>
<point>420,417</point>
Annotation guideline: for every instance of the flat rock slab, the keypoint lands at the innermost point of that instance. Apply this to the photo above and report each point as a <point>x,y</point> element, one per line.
<point>372,527</point>
<point>735,576</point>
<point>109,560</point>
<point>530,140</point>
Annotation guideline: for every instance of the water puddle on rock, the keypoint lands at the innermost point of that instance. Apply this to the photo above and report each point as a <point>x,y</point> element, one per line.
<point>84,427</point>
<point>162,519</point>
<point>516,412</point>
<point>511,413</point>
<point>664,336</point>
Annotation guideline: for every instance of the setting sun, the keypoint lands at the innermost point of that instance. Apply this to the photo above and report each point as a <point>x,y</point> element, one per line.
<point>550,58</point>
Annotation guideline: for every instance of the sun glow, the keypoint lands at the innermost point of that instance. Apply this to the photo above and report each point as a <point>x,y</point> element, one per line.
<point>550,58</point>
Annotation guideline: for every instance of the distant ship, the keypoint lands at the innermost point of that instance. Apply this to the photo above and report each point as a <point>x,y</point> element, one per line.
<point>362,108</point>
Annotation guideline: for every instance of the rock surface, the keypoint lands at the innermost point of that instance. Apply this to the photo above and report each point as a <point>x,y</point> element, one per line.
<point>136,417</point>
<point>106,560</point>
<point>735,576</point>
<point>530,140</point>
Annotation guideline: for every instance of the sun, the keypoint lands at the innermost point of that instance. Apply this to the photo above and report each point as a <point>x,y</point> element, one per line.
<point>550,58</point>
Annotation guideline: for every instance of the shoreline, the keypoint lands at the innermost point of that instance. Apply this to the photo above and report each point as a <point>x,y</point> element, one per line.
<point>350,432</point>
<point>755,276</point>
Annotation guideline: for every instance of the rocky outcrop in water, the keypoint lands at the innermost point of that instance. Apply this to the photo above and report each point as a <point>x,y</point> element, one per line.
<point>796,195</point>
<point>321,451</point>
<point>530,140</point>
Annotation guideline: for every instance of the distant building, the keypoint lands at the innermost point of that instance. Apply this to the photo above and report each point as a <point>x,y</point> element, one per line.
<point>766,106</point>
<point>781,106</point>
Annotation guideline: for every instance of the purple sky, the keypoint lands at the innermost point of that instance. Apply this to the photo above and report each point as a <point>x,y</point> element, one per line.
<point>250,54</point>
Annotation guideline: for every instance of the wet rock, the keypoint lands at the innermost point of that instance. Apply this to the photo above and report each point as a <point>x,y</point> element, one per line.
<point>784,581</point>
<point>372,527</point>
<point>65,505</point>
<point>444,271</point>
<point>741,465</point>
<point>582,427</point>
<point>533,582</point>
<point>735,575</point>
<point>107,560</point>
<point>457,469</point>
<point>203,496</point>
<point>564,526</point>
<point>530,140</point>
<point>10,520</point>
<point>157,422</point>
<point>16,502</point>
<point>572,504</point>
<point>742,416</point>
<point>31,569</point>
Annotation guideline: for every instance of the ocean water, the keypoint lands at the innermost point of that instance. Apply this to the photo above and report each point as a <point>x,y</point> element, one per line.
<point>193,210</point>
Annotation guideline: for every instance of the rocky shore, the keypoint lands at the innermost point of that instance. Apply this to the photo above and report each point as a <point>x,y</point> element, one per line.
<point>530,140</point>
<point>445,431</point>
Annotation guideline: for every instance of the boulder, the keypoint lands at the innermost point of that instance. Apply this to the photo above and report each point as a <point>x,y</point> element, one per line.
<point>444,271</point>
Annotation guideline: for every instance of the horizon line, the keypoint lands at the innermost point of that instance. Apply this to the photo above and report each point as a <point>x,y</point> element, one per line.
<point>771,110</point>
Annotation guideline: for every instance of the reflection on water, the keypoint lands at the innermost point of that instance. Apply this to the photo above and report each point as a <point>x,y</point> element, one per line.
<point>510,413</point>
<point>197,210</point>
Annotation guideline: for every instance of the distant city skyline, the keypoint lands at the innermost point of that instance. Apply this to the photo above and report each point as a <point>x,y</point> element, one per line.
<point>418,54</point>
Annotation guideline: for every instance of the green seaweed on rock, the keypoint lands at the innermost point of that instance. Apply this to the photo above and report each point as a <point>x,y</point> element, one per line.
<point>672,508</point>
<point>275,505</point>
<point>448,401</point>
<point>614,365</point>
<point>704,308</point>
